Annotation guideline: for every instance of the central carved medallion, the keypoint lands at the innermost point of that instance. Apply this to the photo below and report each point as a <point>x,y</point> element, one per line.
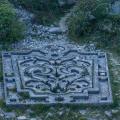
<point>55,75</point>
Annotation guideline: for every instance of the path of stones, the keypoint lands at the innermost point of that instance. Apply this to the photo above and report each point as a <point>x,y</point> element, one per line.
<point>36,35</point>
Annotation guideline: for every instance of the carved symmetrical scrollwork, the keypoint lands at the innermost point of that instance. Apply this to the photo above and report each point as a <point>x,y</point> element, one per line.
<point>56,74</point>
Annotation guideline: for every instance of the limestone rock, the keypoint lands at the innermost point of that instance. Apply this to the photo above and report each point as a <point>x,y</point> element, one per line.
<point>33,119</point>
<point>10,115</point>
<point>83,112</point>
<point>22,118</point>
<point>55,30</point>
<point>108,114</point>
<point>66,2</point>
<point>115,111</point>
<point>116,7</point>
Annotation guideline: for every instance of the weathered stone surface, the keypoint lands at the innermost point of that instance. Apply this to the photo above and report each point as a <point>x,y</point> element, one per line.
<point>22,118</point>
<point>108,114</point>
<point>116,7</point>
<point>56,74</point>
<point>55,30</point>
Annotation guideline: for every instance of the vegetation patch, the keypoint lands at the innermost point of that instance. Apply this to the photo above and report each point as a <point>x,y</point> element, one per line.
<point>10,28</point>
<point>95,23</point>
<point>46,11</point>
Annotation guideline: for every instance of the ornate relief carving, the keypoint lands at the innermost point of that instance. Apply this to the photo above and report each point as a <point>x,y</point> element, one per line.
<point>56,74</point>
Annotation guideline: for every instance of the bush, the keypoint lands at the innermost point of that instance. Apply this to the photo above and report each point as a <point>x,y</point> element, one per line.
<point>10,28</point>
<point>46,11</point>
<point>92,19</point>
<point>85,16</point>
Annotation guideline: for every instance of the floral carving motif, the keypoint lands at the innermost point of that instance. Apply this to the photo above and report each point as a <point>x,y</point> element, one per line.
<point>56,74</point>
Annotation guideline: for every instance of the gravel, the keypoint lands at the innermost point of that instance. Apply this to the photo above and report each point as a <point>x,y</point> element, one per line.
<point>37,35</point>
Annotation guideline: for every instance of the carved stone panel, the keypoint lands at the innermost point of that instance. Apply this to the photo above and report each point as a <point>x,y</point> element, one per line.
<point>56,74</point>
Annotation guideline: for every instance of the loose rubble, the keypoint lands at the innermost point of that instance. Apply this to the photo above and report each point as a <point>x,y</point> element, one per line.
<point>36,35</point>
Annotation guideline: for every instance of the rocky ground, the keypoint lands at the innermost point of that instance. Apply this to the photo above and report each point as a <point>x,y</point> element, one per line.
<point>37,35</point>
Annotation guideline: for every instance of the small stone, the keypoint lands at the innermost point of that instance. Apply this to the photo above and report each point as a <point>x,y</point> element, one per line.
<point>83,112</point>
<point>55,30</point>
<point>49,115</point>
<point>66,2</point>
<point>33,119</point>
<point>29,111</point>
<point>116,7</point>
<point>115,111</point>
<point>10,115</point>
<point>22,118</point>
<point>70,2</point>
<point>108,113</point>
<point>91,17</point>
<point>61,113</point>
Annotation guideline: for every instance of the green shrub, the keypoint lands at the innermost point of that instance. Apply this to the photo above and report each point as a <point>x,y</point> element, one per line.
<point>85,16</point>
<point>10,28</point>
<point>46,11</point>
<point>24,95</point>
<point>92,20</point>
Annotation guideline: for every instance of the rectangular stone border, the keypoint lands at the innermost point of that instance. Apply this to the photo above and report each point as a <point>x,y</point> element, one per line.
<point>110,101</point>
